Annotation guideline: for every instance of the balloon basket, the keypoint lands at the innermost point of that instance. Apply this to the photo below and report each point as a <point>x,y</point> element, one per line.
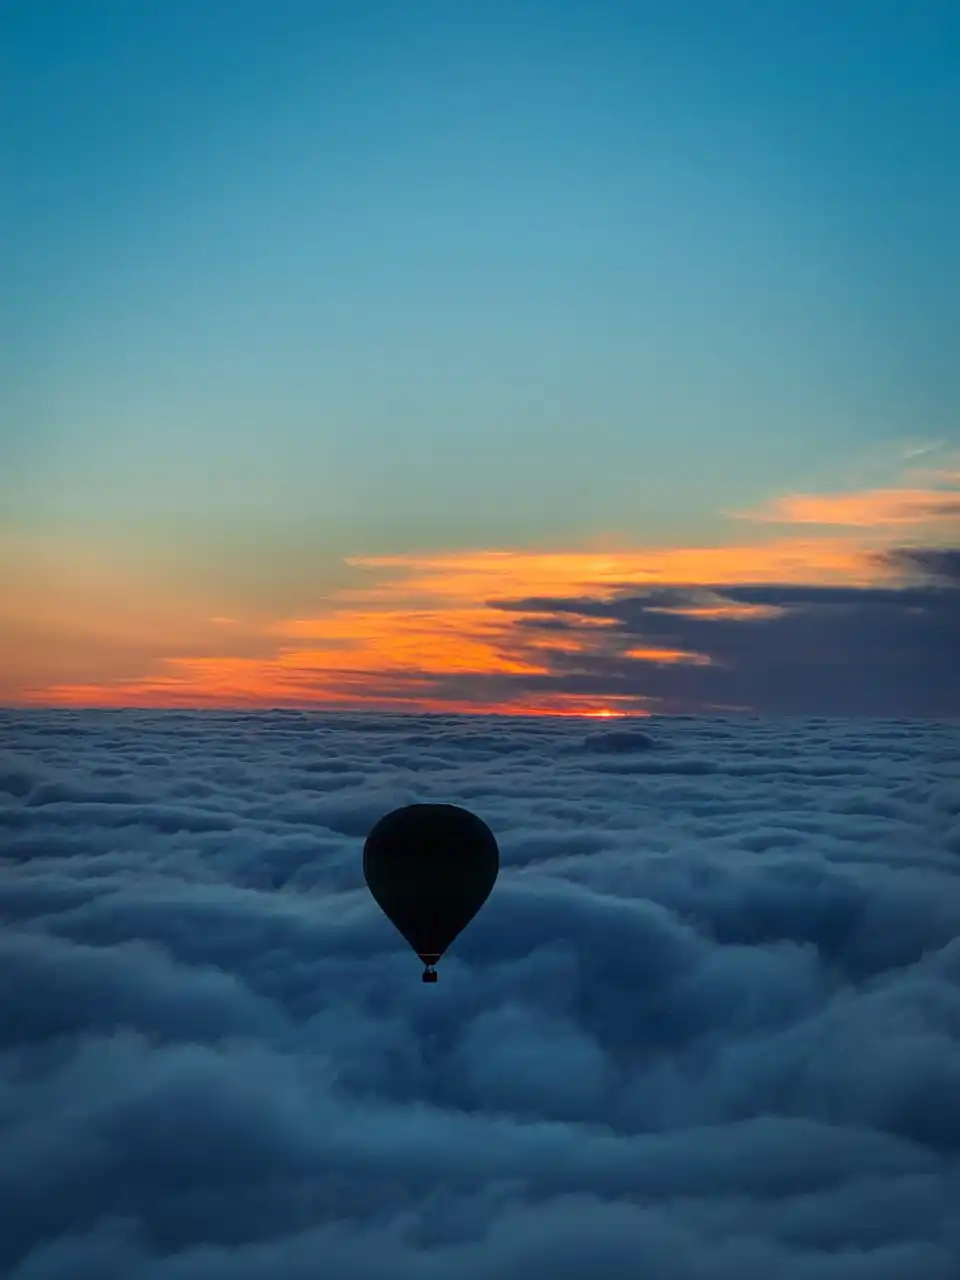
<point>429,974</point>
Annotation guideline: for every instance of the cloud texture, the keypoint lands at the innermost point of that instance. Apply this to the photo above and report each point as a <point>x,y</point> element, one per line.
<point>708,1024</point>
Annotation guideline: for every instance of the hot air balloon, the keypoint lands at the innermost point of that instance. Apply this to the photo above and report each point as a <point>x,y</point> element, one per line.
<point>430,868</point>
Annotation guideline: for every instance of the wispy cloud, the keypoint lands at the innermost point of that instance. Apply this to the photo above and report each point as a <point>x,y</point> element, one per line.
<point>531,630</point>
<point>434,630</point>
<point>931,509</point>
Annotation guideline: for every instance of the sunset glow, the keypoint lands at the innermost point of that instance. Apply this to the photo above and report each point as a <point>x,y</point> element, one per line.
<point>451,631</point>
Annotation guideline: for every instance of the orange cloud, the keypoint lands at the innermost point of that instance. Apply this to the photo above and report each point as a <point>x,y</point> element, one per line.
<point>464,640</point>
<point>502,575</point>
<point>875,509</point>
<point>424,621</point>
<point>726,609</point>
<point>424,631</point>
<point>668,656</point>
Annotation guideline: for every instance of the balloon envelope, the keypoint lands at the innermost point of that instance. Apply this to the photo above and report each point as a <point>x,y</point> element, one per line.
<point>430,868</point>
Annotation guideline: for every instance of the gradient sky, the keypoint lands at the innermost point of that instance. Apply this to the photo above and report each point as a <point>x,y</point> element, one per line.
<point>332,332</point>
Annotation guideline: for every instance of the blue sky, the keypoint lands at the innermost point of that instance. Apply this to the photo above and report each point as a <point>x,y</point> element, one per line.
<point>309,280</point>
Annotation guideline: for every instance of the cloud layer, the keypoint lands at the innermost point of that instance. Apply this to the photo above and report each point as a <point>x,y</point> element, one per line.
<point>708,1024</point>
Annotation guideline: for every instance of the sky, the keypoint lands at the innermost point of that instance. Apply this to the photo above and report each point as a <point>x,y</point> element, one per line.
<point>706,1026</point>
<point>388,356</point>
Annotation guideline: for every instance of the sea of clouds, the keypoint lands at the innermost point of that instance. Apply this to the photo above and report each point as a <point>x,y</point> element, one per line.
<point>707,1025</point>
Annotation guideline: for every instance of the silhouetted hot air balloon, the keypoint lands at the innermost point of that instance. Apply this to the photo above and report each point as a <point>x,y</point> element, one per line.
<point>430,868</point>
